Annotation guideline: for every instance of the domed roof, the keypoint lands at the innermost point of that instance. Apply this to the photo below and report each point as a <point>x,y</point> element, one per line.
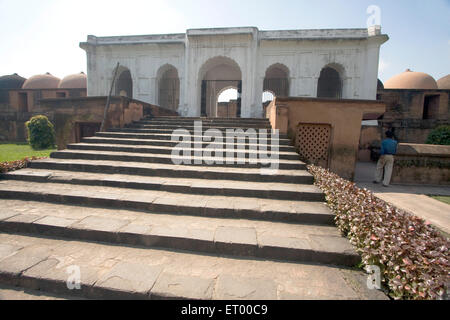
<point>42,81</point>
<point>74,81</point>
<point>444,83</point>
<point>411,80</point>
<point>13,81</point>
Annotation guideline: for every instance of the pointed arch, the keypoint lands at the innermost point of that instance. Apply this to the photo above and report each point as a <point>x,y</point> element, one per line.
<point>276,80</point>
<point>124,83</point>
<point>214,75</point>
<point>168,90</point>
<point>331,81</point>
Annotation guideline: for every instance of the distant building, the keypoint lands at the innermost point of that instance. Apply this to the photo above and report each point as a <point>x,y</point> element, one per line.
<point>19,97</point>
<point>415,104</point>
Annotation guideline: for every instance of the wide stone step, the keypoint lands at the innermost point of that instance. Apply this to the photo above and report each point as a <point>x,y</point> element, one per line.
<point>271,241</point>
<point>191,130</point>
<point>173,130</point>
<point>188,160</point>
<point>162,136</point>
<point>275,191</point>
<point>246,153</point>
<point>208,120</point>
<point>205,118</point>
<point>168,143</point>
<point>114,272</point>
<point>207,125</point>
<point>174,171</point>
<point>167,202</point>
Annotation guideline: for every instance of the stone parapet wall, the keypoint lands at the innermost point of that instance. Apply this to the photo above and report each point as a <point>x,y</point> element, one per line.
<point>422,164</point>
<point>343,117</point>
<point>151,111</point>
<point>67,114</point>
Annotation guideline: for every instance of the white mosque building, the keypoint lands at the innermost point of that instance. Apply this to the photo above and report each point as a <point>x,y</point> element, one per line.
<point>187,72</point>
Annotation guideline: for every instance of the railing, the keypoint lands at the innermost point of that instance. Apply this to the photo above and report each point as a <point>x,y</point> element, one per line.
<point>108,101</point>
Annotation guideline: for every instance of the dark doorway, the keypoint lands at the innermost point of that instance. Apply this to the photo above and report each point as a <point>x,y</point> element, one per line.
<point>330,84</point>
<point>169,88</point>
<point>23,102</point>
<point>277,80</point>
<point>124,85</point>
<point>431,107</point>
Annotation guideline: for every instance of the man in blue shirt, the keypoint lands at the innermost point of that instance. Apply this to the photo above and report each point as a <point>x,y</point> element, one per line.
<point>386,162</point>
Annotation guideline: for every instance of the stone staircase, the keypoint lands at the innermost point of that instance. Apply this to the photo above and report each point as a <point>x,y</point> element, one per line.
<point>134,225</point>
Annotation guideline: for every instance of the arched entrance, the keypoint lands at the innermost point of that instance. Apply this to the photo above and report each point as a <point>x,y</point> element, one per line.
<point>277,80</point>
<point>124,83</point>
<point>215,75</point>
<point>330,83</point>
<point>168,87</point>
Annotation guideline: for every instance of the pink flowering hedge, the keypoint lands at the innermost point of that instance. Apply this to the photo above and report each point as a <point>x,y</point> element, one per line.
<point>412,255</point>
<point>15,165</point>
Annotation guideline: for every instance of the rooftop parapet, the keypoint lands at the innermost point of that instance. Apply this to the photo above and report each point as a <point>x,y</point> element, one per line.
<point>306,34</point>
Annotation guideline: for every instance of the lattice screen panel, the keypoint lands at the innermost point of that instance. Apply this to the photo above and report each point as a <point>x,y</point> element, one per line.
<point>314,143</point>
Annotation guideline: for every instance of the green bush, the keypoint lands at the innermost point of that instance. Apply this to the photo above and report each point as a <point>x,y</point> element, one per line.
<point>412,256</point>
<point>440,136</point>
<point>41,133</point>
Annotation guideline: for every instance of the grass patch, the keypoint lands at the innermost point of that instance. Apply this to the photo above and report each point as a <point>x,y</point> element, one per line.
<point>13,151</point>
<point>444,199</point>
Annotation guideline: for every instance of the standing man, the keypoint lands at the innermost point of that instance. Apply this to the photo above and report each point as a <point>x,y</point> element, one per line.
<point>386,162</point>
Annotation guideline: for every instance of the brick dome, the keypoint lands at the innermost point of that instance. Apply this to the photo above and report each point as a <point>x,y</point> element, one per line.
<point>444,83</point>
<point>13,81</point>
<point>411,80</point>
<point>42,81</point>
<point>74,81</point>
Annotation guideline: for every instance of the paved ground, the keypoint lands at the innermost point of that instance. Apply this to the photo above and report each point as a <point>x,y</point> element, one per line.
<point>148,273</point>
<point>412,198</point>
<point>14,293</point>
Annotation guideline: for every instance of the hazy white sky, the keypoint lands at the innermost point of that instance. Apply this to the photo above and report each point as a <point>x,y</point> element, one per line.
<point>43,36</point>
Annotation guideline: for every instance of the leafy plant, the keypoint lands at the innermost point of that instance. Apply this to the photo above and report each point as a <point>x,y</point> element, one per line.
<point>413,257</point>
<point>15,165</point>
<point>41,133</point>
<point>440,136</point>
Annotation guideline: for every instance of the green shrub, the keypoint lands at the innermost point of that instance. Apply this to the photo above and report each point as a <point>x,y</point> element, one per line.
<point>440,136</point>
<point>41,133</point>
<point>412,256</point>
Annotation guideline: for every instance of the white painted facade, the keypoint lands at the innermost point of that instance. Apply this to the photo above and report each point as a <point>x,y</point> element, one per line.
<point>354,53</point>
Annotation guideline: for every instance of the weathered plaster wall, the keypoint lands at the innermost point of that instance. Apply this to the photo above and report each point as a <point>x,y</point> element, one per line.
<point>422,164</point>
<point>66,113</point>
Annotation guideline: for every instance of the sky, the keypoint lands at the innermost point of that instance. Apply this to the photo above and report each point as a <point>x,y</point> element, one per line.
<point>44,36</point>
